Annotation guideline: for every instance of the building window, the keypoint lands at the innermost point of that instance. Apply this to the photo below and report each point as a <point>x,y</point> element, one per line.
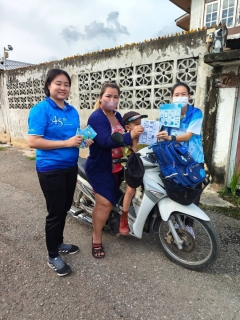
<point>227,12</point>
<point>211,14</point>
<point>224,11</point>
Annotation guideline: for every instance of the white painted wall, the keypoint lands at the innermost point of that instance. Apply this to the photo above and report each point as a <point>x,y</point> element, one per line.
<point>224,127</point>
<point>197,12</point>
<point>232,161</point>
<point>227,125</point>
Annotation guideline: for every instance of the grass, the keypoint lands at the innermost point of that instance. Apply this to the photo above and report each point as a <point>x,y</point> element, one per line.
<point>230,196</point>
<point>234,183</point>
<point>2,148</point>
<point>227,195</point>
<point>31,158</point>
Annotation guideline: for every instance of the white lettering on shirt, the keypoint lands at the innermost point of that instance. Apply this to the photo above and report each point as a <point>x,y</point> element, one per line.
<point>58,122</point>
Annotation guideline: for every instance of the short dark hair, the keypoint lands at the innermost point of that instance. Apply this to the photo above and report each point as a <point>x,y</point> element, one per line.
<point>178,85</point>
<point>53,73</point>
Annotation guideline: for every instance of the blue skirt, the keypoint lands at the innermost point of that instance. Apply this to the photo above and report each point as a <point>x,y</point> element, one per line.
<point>103,183</point>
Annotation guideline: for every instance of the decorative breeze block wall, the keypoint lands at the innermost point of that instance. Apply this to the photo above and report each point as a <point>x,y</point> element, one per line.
<point>142,86</point>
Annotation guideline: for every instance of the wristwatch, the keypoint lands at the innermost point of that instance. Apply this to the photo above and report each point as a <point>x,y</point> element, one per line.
<point>173,138</point>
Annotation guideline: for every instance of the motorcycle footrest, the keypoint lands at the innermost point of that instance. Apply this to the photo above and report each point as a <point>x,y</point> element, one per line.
<point>75,212</point>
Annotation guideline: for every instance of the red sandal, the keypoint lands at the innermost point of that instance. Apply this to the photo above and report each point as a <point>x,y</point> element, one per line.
<point>98,251</point>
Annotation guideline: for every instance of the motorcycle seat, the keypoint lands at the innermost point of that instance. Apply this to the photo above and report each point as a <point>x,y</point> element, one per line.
<point>81,171</point>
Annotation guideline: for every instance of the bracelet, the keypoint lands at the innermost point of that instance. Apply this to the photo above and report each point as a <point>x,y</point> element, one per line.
<point>173,138</point>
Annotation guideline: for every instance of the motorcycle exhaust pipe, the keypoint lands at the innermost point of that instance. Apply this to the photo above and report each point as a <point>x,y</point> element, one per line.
<point>74,211</point>
<point>85,218</point>
<point>78,214</point>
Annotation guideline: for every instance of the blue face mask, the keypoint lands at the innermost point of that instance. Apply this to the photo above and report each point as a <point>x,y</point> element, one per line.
<point>183,101</point>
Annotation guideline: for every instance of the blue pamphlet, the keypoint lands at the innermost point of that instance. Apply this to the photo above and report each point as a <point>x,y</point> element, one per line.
<point>87,133</point>
<point>169,115</point>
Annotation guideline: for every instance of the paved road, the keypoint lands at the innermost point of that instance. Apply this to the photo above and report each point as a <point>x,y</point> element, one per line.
<point>134,281</point>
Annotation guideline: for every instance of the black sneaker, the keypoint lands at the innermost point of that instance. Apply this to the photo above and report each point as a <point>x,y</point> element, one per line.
<point>68,248</point>
<point>59,266</point>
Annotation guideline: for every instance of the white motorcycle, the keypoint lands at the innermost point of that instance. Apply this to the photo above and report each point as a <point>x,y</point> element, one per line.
<point>154,212</point>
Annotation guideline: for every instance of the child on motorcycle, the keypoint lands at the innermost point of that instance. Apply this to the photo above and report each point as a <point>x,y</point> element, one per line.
<point>130,120</point>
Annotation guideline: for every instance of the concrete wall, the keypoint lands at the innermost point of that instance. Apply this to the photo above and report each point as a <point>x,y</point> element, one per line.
<point>145,73</point>
<point>221,111</point>
<point>223,133</point>
<point>4,128</point>
<point>234,161</point>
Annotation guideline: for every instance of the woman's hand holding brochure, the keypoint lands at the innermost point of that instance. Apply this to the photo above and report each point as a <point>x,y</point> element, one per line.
<point>88,134</point>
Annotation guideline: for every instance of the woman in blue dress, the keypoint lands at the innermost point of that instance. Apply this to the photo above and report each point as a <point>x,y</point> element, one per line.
<point>105,120</point>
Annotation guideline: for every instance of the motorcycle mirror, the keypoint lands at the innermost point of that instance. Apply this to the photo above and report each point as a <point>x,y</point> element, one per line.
<point>117,137</point>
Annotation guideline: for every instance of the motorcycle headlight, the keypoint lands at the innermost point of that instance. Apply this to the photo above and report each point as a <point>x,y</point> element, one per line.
<point>154,195</point>
<point>157,194</point>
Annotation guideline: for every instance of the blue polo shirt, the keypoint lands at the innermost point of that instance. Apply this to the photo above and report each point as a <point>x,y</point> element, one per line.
<point>51,122</point>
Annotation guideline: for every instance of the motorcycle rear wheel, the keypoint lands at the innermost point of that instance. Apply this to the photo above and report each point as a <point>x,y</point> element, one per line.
<point>198,253</point>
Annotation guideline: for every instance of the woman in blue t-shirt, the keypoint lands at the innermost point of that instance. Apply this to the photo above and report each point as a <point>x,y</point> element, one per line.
<point>52,126</point>
<point>189,132</point>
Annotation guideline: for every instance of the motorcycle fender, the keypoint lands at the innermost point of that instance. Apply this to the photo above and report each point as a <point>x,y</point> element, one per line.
<point>83,181</point>
<point>166,206</point>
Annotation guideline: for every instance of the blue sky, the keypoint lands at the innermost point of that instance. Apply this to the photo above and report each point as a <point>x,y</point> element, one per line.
<point>45,30</point>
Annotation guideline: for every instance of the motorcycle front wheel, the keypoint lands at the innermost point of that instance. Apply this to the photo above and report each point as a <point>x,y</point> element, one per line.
<point>200,248</point>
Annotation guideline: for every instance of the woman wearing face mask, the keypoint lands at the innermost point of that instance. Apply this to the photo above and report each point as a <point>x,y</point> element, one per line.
<point>105,120</point>
<point>189,132</point>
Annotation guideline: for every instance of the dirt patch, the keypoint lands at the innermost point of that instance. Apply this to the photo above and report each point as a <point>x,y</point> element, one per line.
<point>232,210</point>
<point>134,281</point>
<point>233,199</point>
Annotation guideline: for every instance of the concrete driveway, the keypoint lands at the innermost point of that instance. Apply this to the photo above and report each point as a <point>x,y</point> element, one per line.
<point>134,281</point>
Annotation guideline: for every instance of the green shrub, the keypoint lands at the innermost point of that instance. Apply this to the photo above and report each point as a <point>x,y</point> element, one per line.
<point>234,183</point>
